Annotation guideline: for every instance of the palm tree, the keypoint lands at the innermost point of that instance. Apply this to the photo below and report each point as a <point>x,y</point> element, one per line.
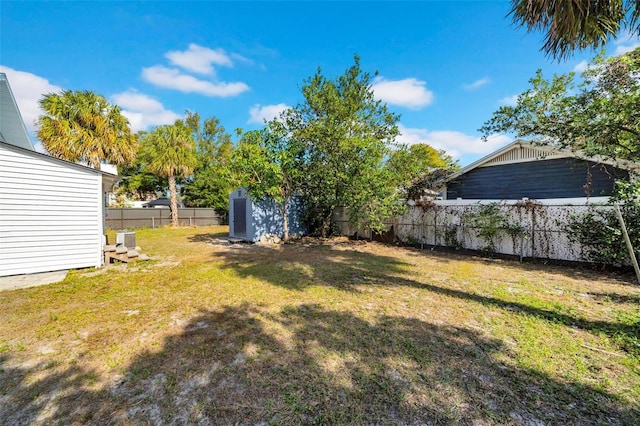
<point>576,24</point>
<point>81,126</point>
<point>169,151</point>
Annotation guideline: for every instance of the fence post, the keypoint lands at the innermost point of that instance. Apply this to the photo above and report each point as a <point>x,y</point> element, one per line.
<point>436,237</point>
<point>533,233</point>
<point>627,240</point>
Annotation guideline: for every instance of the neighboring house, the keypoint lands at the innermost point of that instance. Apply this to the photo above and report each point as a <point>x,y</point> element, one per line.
<point>161,203</point>
<point>51,211</point>
<point>522,170</point>
<point>250,220</point>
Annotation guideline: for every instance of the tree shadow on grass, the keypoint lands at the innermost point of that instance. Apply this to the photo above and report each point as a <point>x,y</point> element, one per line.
<point>305,364</point>
<point>350,270</point>
<point>615,297</point>
<point>570,269</point>
<point>296,267</point>
<point>208,238</point>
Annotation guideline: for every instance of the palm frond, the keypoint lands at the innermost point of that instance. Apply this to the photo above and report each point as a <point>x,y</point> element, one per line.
<point>569,25</point>
<point>83,126</point>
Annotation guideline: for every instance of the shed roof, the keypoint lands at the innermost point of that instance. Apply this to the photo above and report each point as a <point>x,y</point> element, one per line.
<point>12,128</point>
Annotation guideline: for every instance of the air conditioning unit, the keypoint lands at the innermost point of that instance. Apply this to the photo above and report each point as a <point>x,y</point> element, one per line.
<point>127,239</point>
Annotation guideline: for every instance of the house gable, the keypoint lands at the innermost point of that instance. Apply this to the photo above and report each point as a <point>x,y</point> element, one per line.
<point>12,128</point>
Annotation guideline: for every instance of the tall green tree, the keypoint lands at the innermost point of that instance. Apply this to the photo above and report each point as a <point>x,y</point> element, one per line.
<point>212,180</point>
<point>576,24</point>
<point>419,166</point>
<point>169,151</point>
<point>267,163</point>
<point>599,115</point>
<point>346,135</point>
<point>81,126</point>
<point>139,183</point>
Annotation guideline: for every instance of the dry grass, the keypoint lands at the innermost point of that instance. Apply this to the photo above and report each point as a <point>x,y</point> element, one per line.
<point>319,332</point>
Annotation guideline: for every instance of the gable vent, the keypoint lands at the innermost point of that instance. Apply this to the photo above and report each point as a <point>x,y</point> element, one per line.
<point>519,154</point>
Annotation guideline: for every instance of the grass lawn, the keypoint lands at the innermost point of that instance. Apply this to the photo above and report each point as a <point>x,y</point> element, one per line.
<point>320,332</point>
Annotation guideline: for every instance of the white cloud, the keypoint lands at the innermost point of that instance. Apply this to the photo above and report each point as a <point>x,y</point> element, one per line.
<point>28,89</point>
<point>626,42</point>
<point>410,92</point>
<point>199,59</point>
<point>260,113</point>
<point>581,66</point>
<point>452,142</point>
<point>476,84</point>
<point>509,100</point>
<point>143,111</point>
<point>172,78</point>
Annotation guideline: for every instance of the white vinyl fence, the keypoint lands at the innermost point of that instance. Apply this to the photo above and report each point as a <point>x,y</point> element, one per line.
<point>521,228</point>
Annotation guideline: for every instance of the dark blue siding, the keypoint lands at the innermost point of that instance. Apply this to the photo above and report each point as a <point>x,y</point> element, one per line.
<point>555,178</point>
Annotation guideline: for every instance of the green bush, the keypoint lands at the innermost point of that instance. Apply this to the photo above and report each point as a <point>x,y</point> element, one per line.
<point>599,232</point>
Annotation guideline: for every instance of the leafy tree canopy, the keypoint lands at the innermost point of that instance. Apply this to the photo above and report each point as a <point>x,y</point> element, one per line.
<point>346,135</point>
<point>576,24</point>
<point>81,126</point>
<point>138,183</point>
<point>599,115</point>
<point>212,180</point>
<point>419,167</point>
<point>268,163</point>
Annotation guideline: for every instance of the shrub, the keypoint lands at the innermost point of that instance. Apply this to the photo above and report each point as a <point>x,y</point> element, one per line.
<point>599,232</point>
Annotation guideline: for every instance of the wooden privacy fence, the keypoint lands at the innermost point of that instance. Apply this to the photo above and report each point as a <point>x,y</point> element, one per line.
<point>154,218</point>
<point>527,229</point>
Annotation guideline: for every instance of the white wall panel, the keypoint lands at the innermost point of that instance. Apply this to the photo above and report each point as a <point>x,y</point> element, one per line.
<point>50,214</point>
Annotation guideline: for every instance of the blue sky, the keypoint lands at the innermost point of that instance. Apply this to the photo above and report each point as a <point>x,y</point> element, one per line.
<point>443,66</point>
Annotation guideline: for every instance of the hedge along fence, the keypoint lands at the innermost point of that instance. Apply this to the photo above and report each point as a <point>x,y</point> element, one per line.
<point>522,228</point>
<point>132,218</point>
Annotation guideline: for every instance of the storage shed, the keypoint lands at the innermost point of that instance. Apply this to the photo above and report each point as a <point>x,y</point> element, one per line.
<point>250,220</point>
<point>51,211</point>
<point>522,170</point>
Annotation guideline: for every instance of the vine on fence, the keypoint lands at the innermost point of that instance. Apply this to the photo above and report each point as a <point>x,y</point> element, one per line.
<point>451,237</point>
<point>489,222</point>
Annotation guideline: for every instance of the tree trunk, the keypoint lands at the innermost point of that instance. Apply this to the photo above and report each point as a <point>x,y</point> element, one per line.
<point>327,220</point>
<point>285,222</point>
<point>174,201</point>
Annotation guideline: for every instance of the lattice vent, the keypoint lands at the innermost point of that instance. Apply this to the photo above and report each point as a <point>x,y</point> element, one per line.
<point>518,154</point>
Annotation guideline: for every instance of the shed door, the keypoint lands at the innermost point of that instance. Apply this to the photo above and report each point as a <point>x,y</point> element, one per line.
<point>240,216</point>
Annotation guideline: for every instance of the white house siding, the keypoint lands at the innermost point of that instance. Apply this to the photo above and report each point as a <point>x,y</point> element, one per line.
<point>50,214</point>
